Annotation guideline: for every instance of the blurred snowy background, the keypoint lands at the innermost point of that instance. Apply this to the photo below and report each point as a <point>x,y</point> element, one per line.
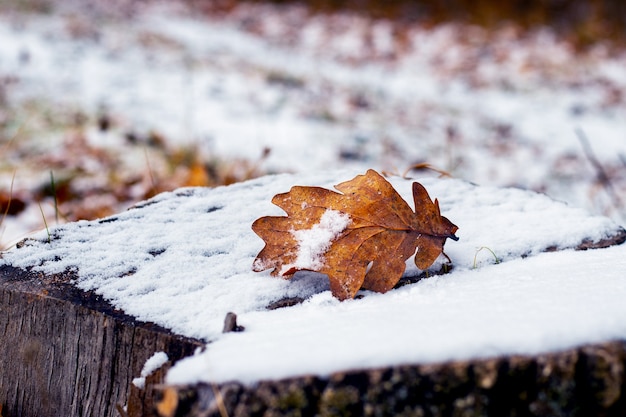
<point>103,104</point>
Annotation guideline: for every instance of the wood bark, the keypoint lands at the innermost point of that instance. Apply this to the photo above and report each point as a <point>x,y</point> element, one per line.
<point>587,381</point>
<point>65,352</point>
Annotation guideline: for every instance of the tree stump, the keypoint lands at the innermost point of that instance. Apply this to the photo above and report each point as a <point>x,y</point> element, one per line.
<point>66,352</point>
<point>69,352</point>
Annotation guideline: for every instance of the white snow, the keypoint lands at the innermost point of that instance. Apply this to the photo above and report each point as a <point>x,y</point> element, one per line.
<point>525,306</point>
<point>496,110</point>
<point>183,260</point>
<point>153,363</point>
<point>499,110</point>
<point>314,242</point>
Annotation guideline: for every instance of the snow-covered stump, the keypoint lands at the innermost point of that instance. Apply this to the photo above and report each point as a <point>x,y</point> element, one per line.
<point>587,381</point>
<point>76,298</point>
<point>65,351</point>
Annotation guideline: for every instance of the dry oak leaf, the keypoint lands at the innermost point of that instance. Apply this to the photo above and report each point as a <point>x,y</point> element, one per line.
<point>360,238</point>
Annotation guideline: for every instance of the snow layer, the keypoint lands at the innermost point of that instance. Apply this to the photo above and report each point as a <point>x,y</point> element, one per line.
<point>183,260</point>
<point>526,306</point>
<point>153,363</point>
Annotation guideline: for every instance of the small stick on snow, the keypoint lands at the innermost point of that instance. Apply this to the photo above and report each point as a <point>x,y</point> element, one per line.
<point>230,324</point>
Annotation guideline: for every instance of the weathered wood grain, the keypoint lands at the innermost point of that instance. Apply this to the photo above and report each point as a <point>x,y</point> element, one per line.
<point>65,352</point>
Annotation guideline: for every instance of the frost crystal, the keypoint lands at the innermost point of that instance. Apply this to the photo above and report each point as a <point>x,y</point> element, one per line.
<point>314,242</point>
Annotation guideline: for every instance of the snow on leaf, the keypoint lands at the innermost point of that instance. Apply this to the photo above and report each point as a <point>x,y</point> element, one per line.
<point>314,242</point>
<point>341,234</point>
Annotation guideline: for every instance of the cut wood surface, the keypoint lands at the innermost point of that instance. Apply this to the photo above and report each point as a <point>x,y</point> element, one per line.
<point>66,352</point>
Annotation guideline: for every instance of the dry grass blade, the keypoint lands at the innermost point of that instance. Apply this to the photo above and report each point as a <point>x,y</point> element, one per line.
<point>10,142</point>
<point>425,166</point>
<point>603,178</point>
<point>219,400</point>
<point>45,222</point>
<point>150,172</point>
<point>497,261</point>
<point>6,210</point>
<point>54,195</point>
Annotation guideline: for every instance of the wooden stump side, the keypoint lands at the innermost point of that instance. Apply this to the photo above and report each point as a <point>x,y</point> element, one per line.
<point>588,381</point>
<point>67,352</point>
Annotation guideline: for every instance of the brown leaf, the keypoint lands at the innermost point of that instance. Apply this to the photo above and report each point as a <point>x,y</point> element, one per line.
<point>360,237</point>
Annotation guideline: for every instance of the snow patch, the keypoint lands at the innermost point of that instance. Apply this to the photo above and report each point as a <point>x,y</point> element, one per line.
<point>152,364</point>
<point>314,242</point>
